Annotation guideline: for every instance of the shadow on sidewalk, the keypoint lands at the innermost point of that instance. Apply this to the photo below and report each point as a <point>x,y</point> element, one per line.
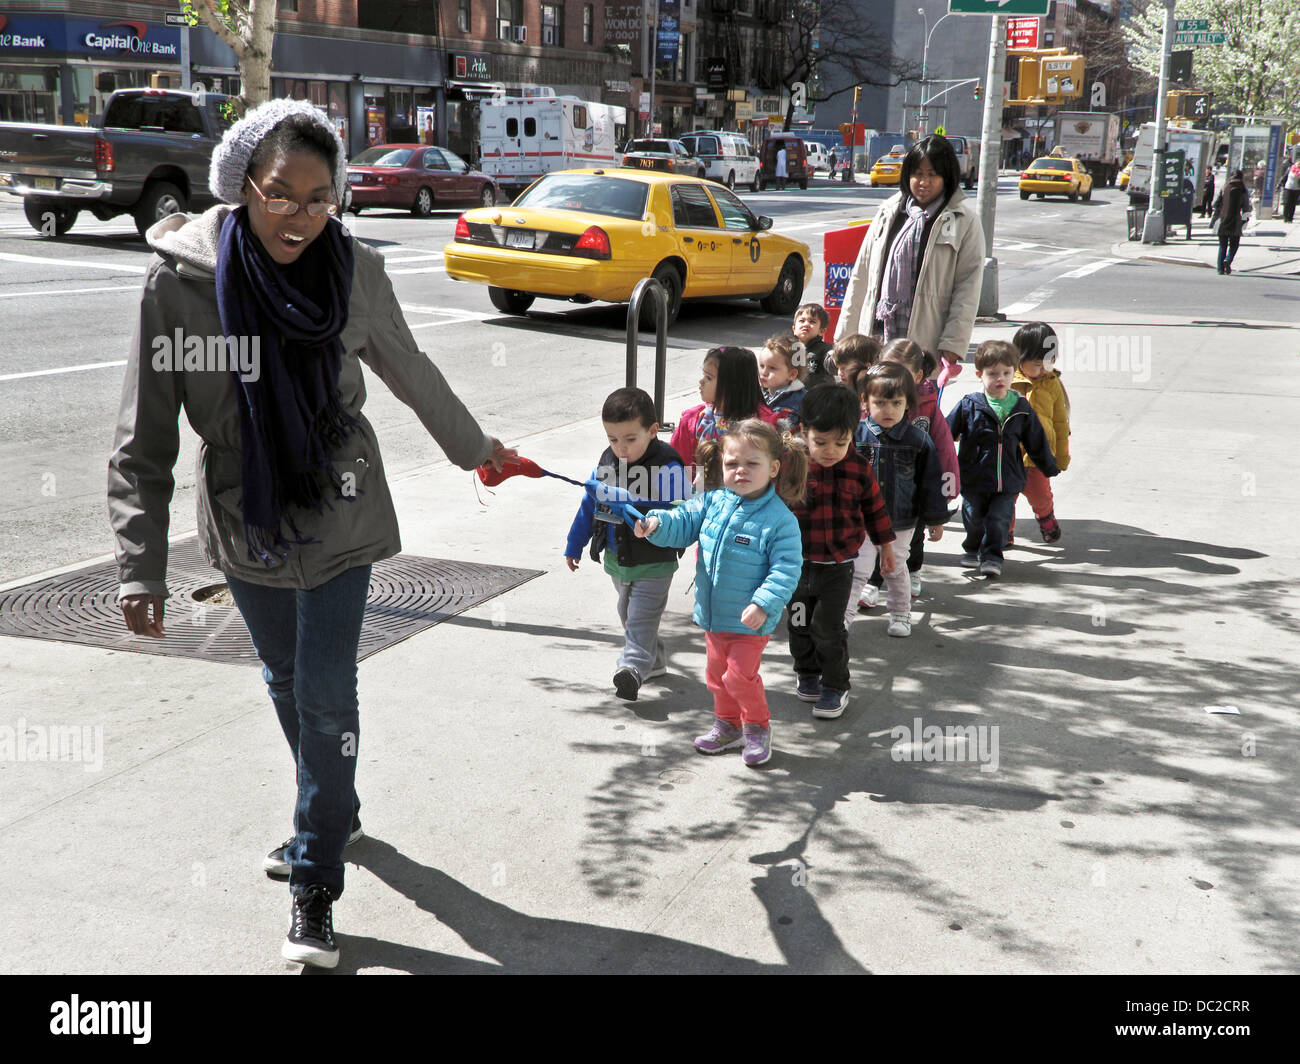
<point>523,944</point>
<point>1106,704</point>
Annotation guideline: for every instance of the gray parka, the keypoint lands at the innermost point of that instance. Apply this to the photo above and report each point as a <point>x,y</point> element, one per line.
<point>180,294</point>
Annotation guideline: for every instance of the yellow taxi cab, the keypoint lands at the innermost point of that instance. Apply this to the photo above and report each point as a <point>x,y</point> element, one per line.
<point>587,235</point>
<point>1056,175</point>
<point>888,169</point>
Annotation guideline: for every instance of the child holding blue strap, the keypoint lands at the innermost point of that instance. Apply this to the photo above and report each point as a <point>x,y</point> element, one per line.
<point>746,569</point>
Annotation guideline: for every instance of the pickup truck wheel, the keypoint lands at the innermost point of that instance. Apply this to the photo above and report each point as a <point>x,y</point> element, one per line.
<point>160,200</point>
<point>731,179</point>
<point>423,206</point>
<point>755,185</point>
<point>510,301</point>
<point>40,215</point>
<point>784,298</point>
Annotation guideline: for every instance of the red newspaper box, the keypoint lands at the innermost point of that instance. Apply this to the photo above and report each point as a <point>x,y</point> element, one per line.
<point>840,249</point>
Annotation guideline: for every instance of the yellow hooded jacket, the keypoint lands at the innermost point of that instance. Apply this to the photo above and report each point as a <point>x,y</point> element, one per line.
<point>1052,405</point>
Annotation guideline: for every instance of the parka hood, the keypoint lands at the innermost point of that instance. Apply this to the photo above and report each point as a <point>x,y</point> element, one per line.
<point>190,242</point>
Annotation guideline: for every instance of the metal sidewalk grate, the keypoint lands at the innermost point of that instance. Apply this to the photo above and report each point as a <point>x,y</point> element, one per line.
<point>407,595</point>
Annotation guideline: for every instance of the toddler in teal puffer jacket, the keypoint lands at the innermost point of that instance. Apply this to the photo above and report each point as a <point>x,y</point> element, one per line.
<point>747,568</point>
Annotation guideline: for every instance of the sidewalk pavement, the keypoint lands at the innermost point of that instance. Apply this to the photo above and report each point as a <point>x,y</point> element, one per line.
<point>520,818</point>
<point>1269,248</point>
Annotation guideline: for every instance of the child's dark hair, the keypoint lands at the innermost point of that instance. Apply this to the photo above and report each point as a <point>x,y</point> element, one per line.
<point>888,380</point>
<point>293,134</point>
<point>790,348</point>
<point>629,404</point>
<point>853,354</point>
<point>791,481</point>
<point>1036,341</point>
<point>996,353</point>
<point>818,311</point>
<point>909,353</point>
<point>830,408</point>
<point>737,395</point>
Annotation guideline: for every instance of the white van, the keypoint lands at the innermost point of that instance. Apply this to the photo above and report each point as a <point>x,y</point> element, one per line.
<point>818,157</point>
<point>727,157</point>
<point>522,138</point>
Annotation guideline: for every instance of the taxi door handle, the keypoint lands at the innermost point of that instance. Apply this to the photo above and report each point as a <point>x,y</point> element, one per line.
<point>736,240</point>
<point>688,240</point>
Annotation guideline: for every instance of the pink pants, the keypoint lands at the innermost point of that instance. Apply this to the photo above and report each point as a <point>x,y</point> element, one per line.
<point>732,675</point>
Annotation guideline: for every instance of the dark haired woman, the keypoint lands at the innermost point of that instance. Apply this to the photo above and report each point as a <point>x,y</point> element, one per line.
<point>1230,211</point>
<point>920,268</point>
<point>292,501</point>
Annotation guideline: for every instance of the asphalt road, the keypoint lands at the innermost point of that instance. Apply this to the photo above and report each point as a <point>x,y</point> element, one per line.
<point>67,309</point>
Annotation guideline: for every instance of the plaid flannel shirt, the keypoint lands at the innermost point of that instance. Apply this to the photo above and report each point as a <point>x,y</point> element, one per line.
<point>842,508</point>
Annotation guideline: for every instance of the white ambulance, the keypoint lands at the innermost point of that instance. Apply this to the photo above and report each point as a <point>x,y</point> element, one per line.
<point>522,138</point>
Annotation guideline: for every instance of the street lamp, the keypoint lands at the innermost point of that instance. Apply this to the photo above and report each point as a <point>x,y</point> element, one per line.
<point>925,67</point>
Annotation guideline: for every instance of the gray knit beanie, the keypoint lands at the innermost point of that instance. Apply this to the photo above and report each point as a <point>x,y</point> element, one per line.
<point>231,157</point>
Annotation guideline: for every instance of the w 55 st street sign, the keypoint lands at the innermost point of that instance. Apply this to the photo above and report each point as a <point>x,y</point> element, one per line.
<point>998,7</point>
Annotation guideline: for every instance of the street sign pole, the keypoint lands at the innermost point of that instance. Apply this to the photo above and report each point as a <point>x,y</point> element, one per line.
<point>990,156</point>
<point>178,19</point>
<point>1153,228</point>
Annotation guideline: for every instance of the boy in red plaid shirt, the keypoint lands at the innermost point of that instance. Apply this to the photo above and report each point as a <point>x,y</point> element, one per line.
<point>842,509</point>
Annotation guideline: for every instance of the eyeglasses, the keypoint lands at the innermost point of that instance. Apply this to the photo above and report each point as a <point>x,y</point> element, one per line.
<point>289,207</point>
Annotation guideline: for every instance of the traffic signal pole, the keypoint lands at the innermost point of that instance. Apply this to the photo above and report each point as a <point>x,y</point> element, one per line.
<point>1153,228</point>
<point>990,155</point>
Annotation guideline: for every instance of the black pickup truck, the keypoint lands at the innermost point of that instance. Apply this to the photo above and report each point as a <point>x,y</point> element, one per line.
<point>148,158</point>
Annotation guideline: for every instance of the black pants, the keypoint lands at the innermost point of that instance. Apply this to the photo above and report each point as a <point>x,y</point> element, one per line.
<point>987,517</point>
<point>818,639</point>
<point>1289,197</point>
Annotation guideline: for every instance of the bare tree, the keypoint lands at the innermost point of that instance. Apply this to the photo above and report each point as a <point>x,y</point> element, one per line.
<point>249,30</point>
<point>821,38</point>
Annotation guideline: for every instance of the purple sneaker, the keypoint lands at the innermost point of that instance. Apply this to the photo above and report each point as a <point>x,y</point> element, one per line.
<point>758,745</point>
<point>722,736</point>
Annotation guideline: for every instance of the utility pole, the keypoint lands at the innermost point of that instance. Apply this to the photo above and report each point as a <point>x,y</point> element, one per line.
<point>990,152</point>
<point>1153,228</point>
<point>652,9</point>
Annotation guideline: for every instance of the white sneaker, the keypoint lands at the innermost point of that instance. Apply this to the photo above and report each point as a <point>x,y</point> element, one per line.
<point>870,597</point>
<point>900,625</point>
<point>916,584</point>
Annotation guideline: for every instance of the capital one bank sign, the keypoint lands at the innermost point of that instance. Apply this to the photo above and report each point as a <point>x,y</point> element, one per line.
<point>47,35</point>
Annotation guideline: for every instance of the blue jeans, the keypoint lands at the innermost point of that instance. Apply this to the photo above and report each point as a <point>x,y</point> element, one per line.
<point>987,517</point>
<point>1228,250</point>
<point>307,641</point>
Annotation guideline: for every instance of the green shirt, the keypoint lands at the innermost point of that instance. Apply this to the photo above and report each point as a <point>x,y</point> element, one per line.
<point>628,573</point>
<point>1003,407</point>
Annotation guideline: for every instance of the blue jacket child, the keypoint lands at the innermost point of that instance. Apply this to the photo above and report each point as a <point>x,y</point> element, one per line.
<point>750,551</point>
<point>988,453</point>
<point>786,404</point>
<point>906,466</point>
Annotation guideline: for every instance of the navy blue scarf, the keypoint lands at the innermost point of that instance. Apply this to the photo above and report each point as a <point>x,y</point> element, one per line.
<point>291,419</point>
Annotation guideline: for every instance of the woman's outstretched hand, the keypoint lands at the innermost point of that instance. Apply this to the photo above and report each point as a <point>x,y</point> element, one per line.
<point>136,610</point>
<point>501,454</point>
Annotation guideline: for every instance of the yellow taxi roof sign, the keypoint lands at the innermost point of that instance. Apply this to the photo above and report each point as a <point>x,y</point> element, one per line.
<point>940,131</point>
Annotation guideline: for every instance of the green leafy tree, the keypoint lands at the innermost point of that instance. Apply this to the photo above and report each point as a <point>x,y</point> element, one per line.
<point>1255,72</point>
<point>249,30</point>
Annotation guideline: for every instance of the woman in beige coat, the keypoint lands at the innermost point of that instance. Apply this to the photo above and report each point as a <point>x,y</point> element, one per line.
<point>919,271</point>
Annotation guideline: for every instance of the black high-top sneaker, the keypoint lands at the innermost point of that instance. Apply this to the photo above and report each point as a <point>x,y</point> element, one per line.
<point>311,932</point>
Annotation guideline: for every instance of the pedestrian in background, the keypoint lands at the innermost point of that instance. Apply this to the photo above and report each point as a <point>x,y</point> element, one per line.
<point>746,569</point>
<point>921,266</point>
<point>1207,193</point>
<point>782,168</point>
<point>293,505</point>
<point>1291,192</point>
<point>1231,210</point>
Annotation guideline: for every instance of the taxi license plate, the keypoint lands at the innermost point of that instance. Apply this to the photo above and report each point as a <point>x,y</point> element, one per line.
<point>47,183</point>
<point>517,239</point>
<point>354,179</point>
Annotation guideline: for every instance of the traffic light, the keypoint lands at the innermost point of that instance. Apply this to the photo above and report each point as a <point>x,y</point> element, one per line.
<point>978,91</point>
<point>857,94</point>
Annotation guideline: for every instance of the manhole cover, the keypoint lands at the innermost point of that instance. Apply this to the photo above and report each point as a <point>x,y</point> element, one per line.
<point>407,595</point>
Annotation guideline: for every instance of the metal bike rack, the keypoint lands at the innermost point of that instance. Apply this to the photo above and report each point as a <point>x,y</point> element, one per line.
<point>648,286</point>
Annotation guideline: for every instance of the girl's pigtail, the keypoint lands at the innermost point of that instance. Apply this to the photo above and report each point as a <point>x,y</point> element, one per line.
<point>708,457</point>
<point>792,481</point>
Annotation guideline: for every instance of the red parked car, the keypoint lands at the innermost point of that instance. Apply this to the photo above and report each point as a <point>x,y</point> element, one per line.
<point>417,177</point>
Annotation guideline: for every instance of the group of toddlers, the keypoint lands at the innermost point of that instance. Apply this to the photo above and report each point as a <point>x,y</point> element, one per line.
<point>797,474</point>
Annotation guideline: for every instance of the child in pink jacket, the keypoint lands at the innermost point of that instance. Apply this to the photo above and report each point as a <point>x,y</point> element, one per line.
<point>930,419</point>
<point>730,389</point>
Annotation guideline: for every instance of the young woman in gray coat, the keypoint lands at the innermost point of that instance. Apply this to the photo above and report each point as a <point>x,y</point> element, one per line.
<point>255,320</point>
<point>919,271</point>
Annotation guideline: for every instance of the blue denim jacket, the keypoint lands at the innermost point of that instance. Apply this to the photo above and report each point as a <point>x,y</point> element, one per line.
<point>907,467</point>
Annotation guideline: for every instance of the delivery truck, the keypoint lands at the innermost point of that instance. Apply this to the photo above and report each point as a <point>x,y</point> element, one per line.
<point>1092,137</point>
<point>1198,144</point>
<point>522,138</point>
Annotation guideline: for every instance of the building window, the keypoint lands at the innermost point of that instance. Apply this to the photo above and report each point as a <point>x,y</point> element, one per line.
<point>553,25</point>
<point>588,23</point>
<point>288,5</point>
<point>463,15</point>
<point>510,21</point>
